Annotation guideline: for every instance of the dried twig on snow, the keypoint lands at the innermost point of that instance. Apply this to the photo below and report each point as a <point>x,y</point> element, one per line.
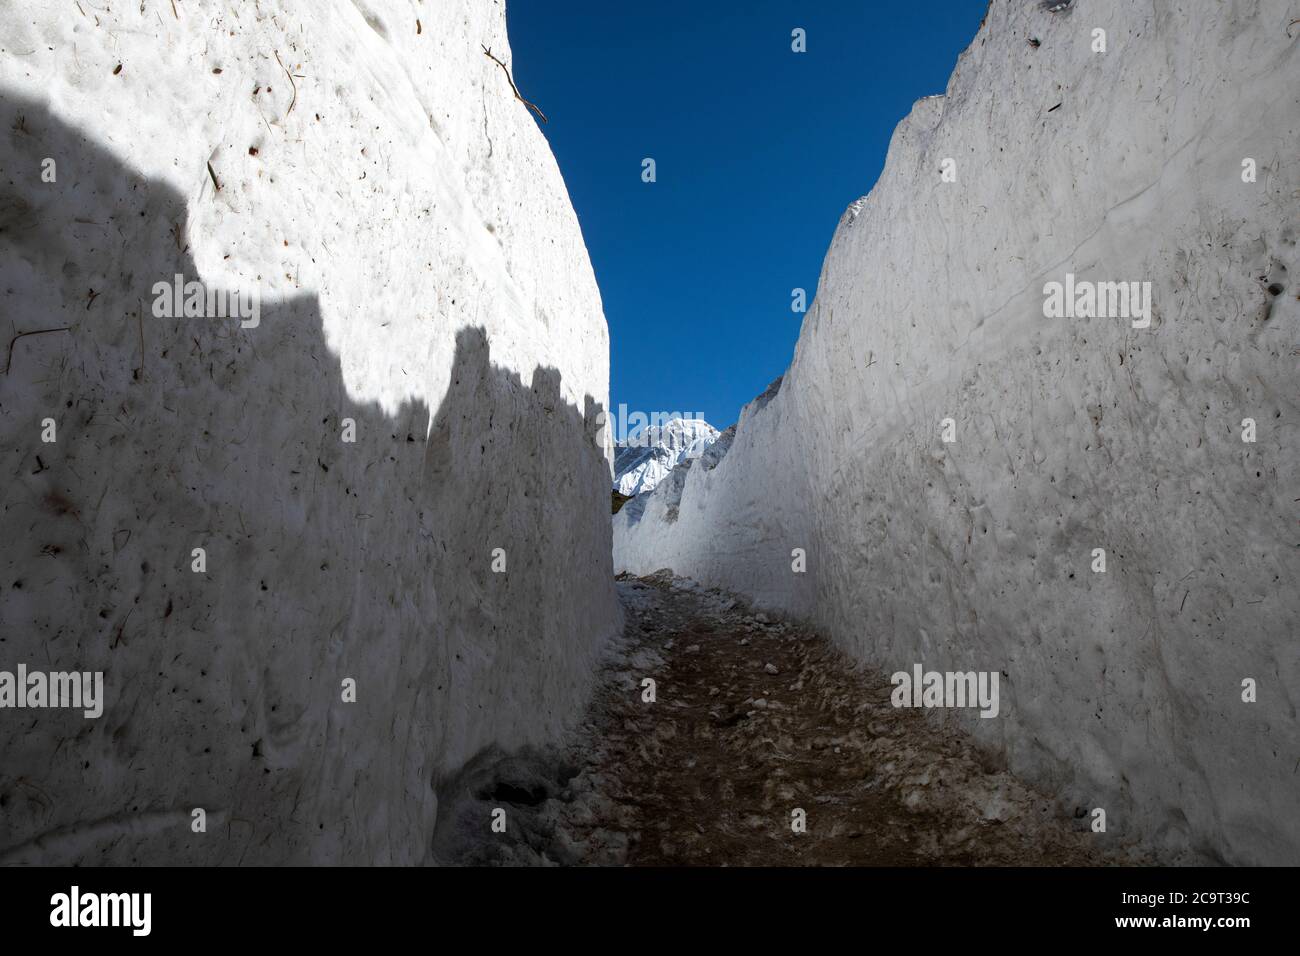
<point>291,82</point>
<point>10,361</point>
<point>532,106</point>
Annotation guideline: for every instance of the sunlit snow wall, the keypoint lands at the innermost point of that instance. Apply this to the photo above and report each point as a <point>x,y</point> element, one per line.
<point>951,461</point>
<point>326,539</point>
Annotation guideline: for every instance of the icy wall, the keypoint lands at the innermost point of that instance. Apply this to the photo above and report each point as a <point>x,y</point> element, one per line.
<point>1122,689</point>
<point>424,288</point>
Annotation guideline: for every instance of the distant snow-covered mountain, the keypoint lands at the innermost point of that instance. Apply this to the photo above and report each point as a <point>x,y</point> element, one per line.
<point>646,458</point>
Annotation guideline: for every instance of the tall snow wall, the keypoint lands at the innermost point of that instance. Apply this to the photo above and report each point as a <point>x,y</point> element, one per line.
<point>424,291</point>
<point>1122,689</point>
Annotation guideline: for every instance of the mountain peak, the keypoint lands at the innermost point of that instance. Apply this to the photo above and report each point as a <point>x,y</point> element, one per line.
<point>645,458</point>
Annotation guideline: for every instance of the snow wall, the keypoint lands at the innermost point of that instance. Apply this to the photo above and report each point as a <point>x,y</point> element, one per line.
<point>1122,690</point>
<point>367,169</point>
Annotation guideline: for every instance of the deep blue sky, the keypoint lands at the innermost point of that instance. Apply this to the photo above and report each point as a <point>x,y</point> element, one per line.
<point>759,150</point>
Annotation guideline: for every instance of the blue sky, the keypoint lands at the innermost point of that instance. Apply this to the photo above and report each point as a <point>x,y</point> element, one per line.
<point>758,151</point>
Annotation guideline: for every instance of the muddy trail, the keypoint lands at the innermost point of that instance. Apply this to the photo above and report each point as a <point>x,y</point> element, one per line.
<point>752,720</point>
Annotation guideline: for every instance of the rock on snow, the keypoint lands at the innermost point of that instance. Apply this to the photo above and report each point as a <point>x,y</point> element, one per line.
<point>1123,689</point>
<point>422,273</point>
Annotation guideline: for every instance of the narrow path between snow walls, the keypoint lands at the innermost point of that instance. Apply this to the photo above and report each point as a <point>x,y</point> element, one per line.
<point>721,737</point>
<point>955,475</point>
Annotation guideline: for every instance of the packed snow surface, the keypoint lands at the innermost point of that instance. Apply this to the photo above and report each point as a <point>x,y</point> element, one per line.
<point>840,502</point>
<point>201,529</point>
<point>646,458</point>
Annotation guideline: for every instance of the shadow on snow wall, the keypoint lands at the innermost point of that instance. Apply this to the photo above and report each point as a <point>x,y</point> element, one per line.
<point>325,560</point>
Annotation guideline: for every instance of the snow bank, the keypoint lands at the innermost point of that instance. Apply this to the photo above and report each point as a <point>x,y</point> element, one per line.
<point>1122,689</point>
<point>423,284</point>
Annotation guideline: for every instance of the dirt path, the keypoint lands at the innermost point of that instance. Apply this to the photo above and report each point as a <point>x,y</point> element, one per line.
<point>751,721</point>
